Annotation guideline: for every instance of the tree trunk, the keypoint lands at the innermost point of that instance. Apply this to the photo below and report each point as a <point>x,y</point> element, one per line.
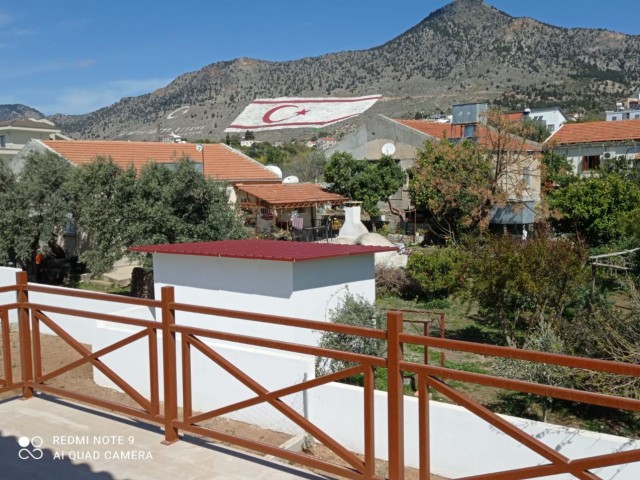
<point>142,283</point>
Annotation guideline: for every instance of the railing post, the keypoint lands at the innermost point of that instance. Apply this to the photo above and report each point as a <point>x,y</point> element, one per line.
<point>26,363</point>
<point>169,366</point>
<point>395,400</point>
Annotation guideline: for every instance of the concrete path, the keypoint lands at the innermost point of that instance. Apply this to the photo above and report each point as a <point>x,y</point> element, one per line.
<point>55,440</point>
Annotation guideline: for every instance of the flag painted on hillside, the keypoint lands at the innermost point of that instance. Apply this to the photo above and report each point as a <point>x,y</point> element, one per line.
<point>288,112</point>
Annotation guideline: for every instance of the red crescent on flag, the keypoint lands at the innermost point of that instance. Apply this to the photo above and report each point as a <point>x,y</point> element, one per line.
<point>267,116</point>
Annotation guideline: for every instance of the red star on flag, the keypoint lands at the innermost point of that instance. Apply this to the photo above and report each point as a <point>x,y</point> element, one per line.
<point>304,111</point>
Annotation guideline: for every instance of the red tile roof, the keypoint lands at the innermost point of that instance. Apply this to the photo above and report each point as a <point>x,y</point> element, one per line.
<point>290,194</point>
<point>434,129</point>
<point>220,161</point>
<point>514,116</point>
<point>263,250</point>
<point>485,135</point>
<point>594,132</point>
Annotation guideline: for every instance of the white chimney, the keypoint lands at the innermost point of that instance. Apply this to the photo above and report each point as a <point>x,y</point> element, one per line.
<point>352,227</point>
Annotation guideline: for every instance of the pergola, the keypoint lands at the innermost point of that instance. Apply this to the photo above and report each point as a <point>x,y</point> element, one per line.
<point>275,202</point>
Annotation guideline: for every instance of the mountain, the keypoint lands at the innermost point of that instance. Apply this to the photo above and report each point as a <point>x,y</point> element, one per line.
<point>465,51</point>
<point>16,111</point>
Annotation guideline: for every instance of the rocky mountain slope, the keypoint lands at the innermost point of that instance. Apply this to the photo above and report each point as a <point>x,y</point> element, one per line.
<point>15,111</point>
<point>465,51</point>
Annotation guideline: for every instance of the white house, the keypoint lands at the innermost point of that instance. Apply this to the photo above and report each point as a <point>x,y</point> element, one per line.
<point>553,117</point>
<point>589,145</point>
<point>15,134</point>
<point>626,109</point>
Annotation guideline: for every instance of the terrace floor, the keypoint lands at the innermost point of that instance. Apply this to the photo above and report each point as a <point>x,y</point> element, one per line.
<point>72,441</point>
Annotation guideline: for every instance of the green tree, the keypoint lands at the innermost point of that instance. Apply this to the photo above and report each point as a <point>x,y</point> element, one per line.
<point>362,181</point>
<point>459,183</point>
<point>453,183</point>
<point>518,284</point>
<point>536,131</point>
<point>161,205</point>
<point>101,193</point>
<point>249,135</point>
<point>437,271</point>
<point>308,167</point>
<point>557,171</point>
<point>596,208</point>
<point>39,206</point>
<point>8,224</point>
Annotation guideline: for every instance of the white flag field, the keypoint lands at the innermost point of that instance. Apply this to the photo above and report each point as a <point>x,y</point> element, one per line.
<point>289,112</point>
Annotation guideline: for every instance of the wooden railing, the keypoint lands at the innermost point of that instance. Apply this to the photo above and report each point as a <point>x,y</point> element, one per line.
<point>32,316</point>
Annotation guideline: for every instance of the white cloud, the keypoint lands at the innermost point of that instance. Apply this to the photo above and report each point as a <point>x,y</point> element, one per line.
<point>79,100</point>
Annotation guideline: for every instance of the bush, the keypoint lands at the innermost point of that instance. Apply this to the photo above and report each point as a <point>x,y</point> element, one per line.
<point>393,282</point>
<point>436,271</point>
<point>353,311</point>
<point>518,284</point>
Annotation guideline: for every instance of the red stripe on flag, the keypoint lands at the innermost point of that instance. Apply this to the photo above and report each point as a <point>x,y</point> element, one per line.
<point>297,124</point>
<point>328,100</point>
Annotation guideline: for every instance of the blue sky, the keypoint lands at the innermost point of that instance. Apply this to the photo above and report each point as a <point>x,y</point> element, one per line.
<point>74,56</point>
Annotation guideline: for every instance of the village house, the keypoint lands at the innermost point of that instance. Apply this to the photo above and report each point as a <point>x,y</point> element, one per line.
<point>15,134</point>
<point>589,145</point>
<point>216,161</point>
<point>551,118</point>
<point>626,109</point>
<point>402,138</point>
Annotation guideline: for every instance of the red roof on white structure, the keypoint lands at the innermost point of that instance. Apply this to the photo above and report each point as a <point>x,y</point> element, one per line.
<point>596,132</point>
<point>277,250</point>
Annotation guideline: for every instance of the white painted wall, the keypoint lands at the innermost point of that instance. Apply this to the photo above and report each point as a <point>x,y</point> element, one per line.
<point>461,443</point>
<point>213,387</point>
<point>306,290</point>
<point>8,277</point>
<point>575,154</point>
<point>553,117</point>
<point>82,329</point>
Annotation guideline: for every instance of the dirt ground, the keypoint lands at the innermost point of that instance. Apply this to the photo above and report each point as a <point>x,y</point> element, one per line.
<point>56,354</point>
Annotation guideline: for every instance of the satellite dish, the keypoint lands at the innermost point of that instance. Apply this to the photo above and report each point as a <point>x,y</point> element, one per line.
<point>275,170</point>
<point>388,149</point>
<point>199,147</point>
<point>291,179</point>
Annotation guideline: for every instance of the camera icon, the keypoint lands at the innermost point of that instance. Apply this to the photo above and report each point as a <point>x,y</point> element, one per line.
<point>30,448</point>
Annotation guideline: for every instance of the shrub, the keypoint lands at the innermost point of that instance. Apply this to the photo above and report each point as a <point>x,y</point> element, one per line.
<point>393,282</point>
<point>437,271</point>
<point>353,311</point>
<point>518,284</point>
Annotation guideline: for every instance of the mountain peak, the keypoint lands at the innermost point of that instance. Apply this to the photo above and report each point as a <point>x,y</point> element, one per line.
<point>466,8</point>
<point>18,111</point>
<point>466,51</point>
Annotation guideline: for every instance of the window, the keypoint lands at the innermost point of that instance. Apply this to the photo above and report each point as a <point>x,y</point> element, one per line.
<point>469,131</point>
<point>2,144</point>
<point>526,176</point>
<point>590,162</point>
<point>551,127</point>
